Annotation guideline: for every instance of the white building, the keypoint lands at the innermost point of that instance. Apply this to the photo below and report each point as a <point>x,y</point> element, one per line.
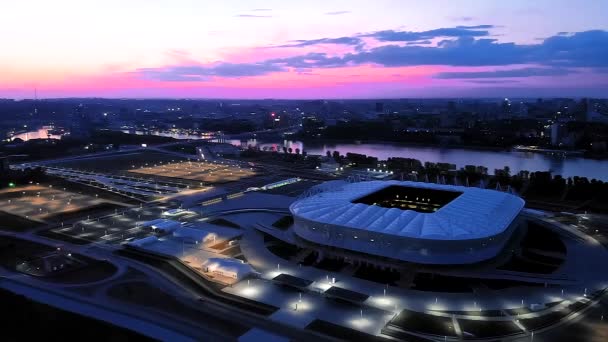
<point>227,267</point>
<point>162,225</point>
<point>410,221</point>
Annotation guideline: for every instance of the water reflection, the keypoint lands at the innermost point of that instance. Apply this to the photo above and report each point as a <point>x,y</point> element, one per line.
<point>517,161</point>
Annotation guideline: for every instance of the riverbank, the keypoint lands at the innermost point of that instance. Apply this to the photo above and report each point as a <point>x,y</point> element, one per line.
<point>492,158</point>
<point>403,143</point>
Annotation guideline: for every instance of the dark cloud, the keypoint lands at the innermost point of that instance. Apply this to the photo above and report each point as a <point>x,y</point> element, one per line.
<point>449,32</point>
<point>340,41</point>
<point>459,52</point>
<point>553,56</point>
<point>581,49</point>
<point>523,72</point>
<point>337,12</point>
<point>420,42</point>
<point>422,37</point>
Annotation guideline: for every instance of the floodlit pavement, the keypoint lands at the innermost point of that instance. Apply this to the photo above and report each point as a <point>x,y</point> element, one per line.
<point>39,202</point>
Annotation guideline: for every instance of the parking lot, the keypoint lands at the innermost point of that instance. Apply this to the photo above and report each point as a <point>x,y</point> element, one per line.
<point>112,229</point>
<point>207,172</point>
<point>39,202</point>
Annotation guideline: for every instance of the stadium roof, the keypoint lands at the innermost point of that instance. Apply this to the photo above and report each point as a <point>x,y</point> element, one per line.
<point>476,213</point>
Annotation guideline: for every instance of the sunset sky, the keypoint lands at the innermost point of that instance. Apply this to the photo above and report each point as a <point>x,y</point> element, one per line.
<point>303,49</point>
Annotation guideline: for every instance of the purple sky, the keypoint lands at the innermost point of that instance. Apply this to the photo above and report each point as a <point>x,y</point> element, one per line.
<point>304,49</point>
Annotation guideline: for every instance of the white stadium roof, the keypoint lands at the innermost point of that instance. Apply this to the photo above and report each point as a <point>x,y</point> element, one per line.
<point>476,213</point>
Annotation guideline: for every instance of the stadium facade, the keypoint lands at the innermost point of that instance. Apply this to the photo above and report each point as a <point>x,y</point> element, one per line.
<point>409,221</point>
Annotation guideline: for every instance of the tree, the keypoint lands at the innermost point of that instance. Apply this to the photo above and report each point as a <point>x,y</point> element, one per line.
<point>336,155</point>
<point>284,149</point>
<point>297,150</point>
<point>328,153</point>
<point>290,150</point>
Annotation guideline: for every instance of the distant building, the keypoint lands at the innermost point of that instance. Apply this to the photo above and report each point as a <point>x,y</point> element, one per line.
<point>80,124</point>
<point>379,107</point>
<point>558,132</point>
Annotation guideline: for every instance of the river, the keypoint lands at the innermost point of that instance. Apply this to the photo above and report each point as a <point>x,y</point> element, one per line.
<point>532,161</point>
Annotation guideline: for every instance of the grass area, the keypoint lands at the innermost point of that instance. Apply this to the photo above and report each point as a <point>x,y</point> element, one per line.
<point>341,333</point>
<point>16,223</point>
<point>438,283</point>
<point>283,250</point>
<point>423,323</point>
<point>542,238</point>
<point>28,320</point>
<point>13,251</point>
<point>284,222</point>
<point>442,283</point>
<point>544,320</point>
<point>483,313</point>
<point>181,148</point>
<point>541,251</point>
<point>378,275</point>
<point>473,329</point>
<point>94,270</point>
<point>279,248</point>
<point>149,296</point>
<point>310,259</point>
<point>193,281</point>
<point>225,223</point>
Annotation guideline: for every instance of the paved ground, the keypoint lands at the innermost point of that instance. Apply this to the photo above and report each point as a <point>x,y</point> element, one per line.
<point>586,266</point>
<point>208,172</point>
<point>39,202</point>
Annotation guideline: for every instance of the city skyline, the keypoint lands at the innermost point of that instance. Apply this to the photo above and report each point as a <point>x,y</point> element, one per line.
<point>276,49</point>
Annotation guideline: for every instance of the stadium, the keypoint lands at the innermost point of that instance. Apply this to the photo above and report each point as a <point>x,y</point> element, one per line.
<point>414,222</point>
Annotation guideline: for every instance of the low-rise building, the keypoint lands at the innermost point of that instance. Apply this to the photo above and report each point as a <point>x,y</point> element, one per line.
<point>227,268</point>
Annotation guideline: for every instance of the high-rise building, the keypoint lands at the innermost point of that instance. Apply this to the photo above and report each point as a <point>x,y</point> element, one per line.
<point>558,132</point>
<point>80,125</point>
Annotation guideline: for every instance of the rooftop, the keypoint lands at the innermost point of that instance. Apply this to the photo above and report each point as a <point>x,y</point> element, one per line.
<point>459,213</point>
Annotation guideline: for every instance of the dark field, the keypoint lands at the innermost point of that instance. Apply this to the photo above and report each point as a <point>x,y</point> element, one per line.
<point>119,161</point>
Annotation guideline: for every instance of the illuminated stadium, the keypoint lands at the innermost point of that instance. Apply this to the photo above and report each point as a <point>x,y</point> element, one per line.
<point>409,221</point>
